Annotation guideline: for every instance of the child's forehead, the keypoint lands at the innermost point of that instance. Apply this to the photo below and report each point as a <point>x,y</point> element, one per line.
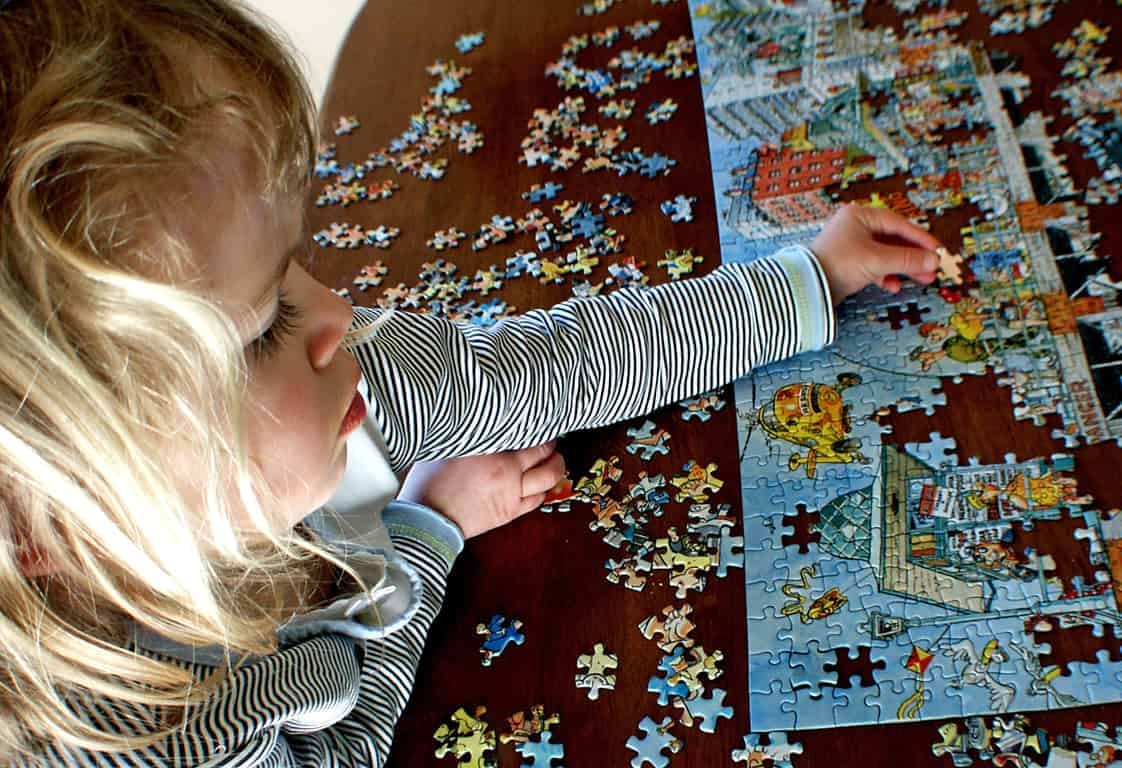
<point>234,232</point>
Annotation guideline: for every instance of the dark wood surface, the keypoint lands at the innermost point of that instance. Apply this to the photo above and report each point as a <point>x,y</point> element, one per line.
<point>548,569</point>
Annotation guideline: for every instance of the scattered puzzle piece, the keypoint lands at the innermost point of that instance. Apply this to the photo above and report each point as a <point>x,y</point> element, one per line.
<point>697,482</point>
<point>541,751</point>
<point>674,627</point>
<point>467,43</point>
<point>598,674</point>
<point>656,738</point>
<point>467,737</point>
<point>679,209</point>
<point>646,442</point>
<point>499,635</point>
<point>778,750</point>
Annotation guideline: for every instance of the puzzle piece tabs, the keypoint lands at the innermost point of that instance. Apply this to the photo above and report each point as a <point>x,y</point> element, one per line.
<point>656,738</point>
<point>601,475</point>
<point>707,709</point>
<point>679,263</point>
<point>679,209</point>
<point>674,627</point>
<point>467,737</point>
<point>646,441</point>
<point>598,674</point>
<point>778,750</point>
<point>685,579</point>
<point>499,634</point>
<point>522,727</point>
<point>697,482</point>
<point>541,751</point>
<point>467,43</point>
<point>701,407</point>
<point>668,685</point>
<point>627,572</point>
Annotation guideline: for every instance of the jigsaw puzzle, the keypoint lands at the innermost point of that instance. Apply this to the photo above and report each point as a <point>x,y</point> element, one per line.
<point>914,587</point>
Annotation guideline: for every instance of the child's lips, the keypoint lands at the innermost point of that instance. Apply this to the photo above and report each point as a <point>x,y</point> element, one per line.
<point>354,416</point>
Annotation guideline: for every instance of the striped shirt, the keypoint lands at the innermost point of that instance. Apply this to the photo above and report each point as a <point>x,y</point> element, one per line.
<point>332,694</point>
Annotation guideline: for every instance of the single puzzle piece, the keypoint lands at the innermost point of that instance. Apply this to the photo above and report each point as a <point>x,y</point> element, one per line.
<point>445,238</point>
<point>627,572</point>
<point>697,481</point>
<point>467,737</point>
<point>730,553</point>
<point>686,579</point>
<point>674,626</point>
<point>679,209</point>
<point>678,264</point>
<point>663,685</point>
<point>598,667</point>
<point>656,738</point>
<point>371,275</point>
<point>646,442</point>
<point>707,709</point>
<point>541,192</point>
<point>499,635</point>
<point>467,43</point>
<point>690,667</point>
<point>521,727</point>
<point>602,474</point>
<point>661,111</point>
<point>702,407</point>
<point>778,750</point>
<point>541,751</point>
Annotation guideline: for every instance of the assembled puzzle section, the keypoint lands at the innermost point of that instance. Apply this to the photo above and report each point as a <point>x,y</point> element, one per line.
<point>886,583</point>
<point>1022,292</point>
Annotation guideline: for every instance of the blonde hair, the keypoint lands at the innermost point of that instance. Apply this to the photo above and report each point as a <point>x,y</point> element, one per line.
<point>105,343</point>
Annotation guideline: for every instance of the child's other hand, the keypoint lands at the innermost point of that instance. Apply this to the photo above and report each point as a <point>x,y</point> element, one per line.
<point>479,493</point>
<point>861,245</point>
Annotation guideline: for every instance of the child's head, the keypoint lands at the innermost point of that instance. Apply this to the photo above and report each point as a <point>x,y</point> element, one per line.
<point>162,424</point>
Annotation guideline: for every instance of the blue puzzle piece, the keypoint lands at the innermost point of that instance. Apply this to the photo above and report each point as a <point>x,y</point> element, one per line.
<point>541,752</point>
<point>661,685</point>
<point>708,709</point>
<point>539,193</point>
<point>649,748</point>
<point>466,43</point>
<point>499,634</point>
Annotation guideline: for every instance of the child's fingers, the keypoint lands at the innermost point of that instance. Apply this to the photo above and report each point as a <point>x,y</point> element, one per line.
<point>539,479</point>
<point>534,455</point>
<point>884,222</point>
<point>530,503</point>
<point>898,260</point>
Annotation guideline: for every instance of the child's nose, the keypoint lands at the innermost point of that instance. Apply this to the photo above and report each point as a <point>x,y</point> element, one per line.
<point>332,315</point>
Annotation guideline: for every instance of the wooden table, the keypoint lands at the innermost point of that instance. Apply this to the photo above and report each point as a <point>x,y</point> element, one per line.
<point>548,570</point>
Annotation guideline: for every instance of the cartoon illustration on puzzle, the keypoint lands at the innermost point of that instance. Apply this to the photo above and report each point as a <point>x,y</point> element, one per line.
<point>917,564</point>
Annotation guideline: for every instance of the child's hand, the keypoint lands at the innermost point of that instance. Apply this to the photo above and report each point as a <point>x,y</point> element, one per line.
<point>861,245</point>
<point>479,493</point>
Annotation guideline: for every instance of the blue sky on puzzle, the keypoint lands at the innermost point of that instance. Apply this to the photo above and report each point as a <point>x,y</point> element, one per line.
<point>915,560</point>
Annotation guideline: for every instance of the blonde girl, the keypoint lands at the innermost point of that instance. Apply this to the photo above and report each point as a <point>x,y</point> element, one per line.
<point>205,555</point>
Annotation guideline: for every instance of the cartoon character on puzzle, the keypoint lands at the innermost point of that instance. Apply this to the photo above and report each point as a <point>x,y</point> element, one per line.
<point>815,417</point>
<point>1024,492</point>
<point>826,604</point>
<point>971,334</point>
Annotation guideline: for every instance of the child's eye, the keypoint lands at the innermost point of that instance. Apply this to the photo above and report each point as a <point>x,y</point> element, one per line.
<point>287,321</point>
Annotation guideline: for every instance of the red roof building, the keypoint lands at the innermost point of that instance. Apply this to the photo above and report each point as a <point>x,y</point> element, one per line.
<point>786,171</point>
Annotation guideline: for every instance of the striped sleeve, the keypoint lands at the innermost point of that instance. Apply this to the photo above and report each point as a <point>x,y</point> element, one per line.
<point>388,668</point>
<point>441,389</point>
<point>328,701</point>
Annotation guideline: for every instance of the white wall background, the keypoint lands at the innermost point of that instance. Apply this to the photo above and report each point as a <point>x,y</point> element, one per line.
<point>318,28</point>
